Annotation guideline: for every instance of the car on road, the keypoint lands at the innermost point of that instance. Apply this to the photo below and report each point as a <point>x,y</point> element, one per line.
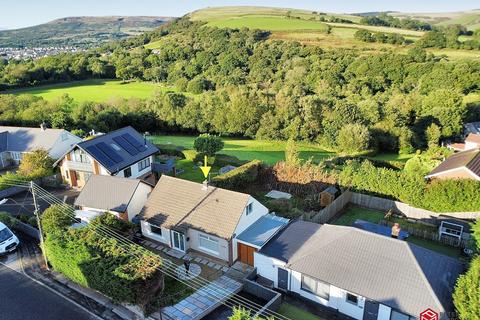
<point>8,241</point>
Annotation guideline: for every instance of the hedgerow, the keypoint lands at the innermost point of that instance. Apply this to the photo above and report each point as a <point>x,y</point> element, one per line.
<point>98,262</point>
<point>239,177</point>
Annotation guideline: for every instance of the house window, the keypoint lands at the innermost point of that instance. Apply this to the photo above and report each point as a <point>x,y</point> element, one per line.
<point>80,156</point>
<point>351,298</point>
<point>316,287</point>
<point>127,173</point>
<point>145,163</point>
<point>156,230</point>
<point>208,243</point>
<point>249,208</point>
<point>395,315</point>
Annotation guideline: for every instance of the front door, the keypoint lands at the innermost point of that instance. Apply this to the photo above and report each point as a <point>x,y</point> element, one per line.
<point>282,279</point>
<point>371,310</point>
<point>178,241</point>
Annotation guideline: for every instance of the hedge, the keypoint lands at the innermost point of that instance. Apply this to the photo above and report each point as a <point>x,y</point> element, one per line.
<point>239,177</point>
<point>98,262</point>
<point>412,188</point>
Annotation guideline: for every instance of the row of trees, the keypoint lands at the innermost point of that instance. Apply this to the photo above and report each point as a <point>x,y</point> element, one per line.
<point>386,20</point>
<point>245,85</point>
<point>391,38</point>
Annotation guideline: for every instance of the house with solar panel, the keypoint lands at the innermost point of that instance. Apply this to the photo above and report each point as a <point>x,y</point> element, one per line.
<point>122,153</point>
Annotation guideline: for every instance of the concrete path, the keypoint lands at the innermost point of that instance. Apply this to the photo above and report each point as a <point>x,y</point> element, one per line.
<point>204,300</point>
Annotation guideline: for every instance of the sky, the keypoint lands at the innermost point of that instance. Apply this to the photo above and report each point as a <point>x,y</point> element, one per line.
<point>22,13</point>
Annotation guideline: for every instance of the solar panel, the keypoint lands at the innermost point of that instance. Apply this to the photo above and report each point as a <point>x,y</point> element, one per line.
<point>134,142</point>
<point>126,146</point>
<point>100,156</point>
<point>109,152</point>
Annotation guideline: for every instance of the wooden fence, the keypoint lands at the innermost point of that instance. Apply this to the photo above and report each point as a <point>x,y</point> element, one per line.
<point>327,213</point>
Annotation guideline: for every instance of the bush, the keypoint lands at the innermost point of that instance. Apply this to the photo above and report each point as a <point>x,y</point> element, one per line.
<point>239,177</point>
<point>467,292</point>
<point>190,155</point>
<point>222,160</point>
<point>100,262</point>
<point>7,219</point>
<point>9,179</point>
<point>36,164</point>
<point>353,138</point>
<point>57,218</point>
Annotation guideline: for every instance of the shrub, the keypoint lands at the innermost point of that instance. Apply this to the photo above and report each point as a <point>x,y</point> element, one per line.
<point>121,271</point>
<point>222,160</point>
<point>208,144</point>
<point>9,179</point>
<point>7,219</point>
<point>36,164</point>
<point>57,218</point>
<point>239,177</point>
<point>190,155</point>
<point>467,292</point>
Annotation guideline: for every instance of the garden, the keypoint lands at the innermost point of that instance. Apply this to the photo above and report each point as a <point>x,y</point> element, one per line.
<point>353,213</point>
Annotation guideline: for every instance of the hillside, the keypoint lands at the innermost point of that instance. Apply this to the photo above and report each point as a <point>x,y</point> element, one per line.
<point>330,30</point>
<point>79,31</point>
<point>470,19</point>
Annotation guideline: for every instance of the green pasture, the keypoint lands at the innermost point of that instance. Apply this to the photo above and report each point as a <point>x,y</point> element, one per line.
<point>97,90</point>
<point>269,23</point>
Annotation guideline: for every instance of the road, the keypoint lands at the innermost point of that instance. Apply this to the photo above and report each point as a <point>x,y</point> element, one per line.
<point>23,298</point>
<point>22,203</point>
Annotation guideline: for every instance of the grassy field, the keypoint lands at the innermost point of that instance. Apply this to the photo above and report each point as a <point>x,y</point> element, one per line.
<point>244,149</point>
<point>293,312</point>
<point>269,23</point>
<point>94,90</point>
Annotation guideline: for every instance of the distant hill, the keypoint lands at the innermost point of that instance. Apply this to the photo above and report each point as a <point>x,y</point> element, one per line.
<point>469,19</point>
<point>79,31</point>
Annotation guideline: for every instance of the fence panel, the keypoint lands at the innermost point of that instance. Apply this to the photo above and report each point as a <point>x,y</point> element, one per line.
<point>327,213</point>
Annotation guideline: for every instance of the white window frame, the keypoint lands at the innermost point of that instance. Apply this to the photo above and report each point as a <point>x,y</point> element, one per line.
<point>144,164</point>
<point>151,226</point>
<point>249,208</point>
<point>315,289</point>
<point>210,239</point>
<point>353,295</point>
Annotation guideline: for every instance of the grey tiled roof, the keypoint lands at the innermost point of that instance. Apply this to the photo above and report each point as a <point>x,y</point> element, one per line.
<point>107,193</point>
<point>392,272</point>
<point>24,139</point>
<point>468,159</point>
<point>126,158</point>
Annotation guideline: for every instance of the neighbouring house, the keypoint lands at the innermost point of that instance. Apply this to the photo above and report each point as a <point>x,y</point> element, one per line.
<point>472,141</point>
<point>472,127</point>
<point>361,274</point>
<point>122,153</point>
<point>121,197</point>
<point>462,165</point>
<point>186,215</point>
<point>16,141</point>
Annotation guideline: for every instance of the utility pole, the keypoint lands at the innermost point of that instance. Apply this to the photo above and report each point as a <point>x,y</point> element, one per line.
<point>37,214</point>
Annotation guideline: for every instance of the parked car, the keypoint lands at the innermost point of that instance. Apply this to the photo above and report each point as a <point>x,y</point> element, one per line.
<point>8,241</point>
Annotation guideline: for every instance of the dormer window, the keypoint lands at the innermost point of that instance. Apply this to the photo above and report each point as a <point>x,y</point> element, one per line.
<point>249,208</point>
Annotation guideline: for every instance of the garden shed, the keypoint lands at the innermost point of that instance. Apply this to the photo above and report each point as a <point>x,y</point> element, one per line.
<point>328,195</point>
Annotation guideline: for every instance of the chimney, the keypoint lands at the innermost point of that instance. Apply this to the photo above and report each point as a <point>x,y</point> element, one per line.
<point>396,230</point>
<point>205,185</point>
<point>43,126</point>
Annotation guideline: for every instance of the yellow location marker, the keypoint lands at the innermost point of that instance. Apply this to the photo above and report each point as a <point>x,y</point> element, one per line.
<point>205,168</point>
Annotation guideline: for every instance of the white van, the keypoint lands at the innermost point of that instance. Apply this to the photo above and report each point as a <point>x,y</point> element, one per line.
<point>8,241</point>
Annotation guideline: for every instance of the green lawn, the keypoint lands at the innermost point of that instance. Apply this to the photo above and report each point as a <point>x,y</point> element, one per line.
<point>292,312</point>
<point>97,90</point>
<point>269,23</point>
<point>191,171</point>
<point>244,149</point>
<point>354,213</point>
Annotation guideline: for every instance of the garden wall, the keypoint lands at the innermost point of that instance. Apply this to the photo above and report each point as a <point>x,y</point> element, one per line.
<point>381,204</point>
<point>274,298</point>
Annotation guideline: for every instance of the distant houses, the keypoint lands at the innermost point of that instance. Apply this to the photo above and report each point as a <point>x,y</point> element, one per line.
<point>122,153</point>
<point>361,274</point>
<point>462,165</point>
<point>17,141</point>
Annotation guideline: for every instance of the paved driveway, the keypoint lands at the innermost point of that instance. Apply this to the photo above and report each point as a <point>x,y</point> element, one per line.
<point>22,203</point>
<point>23,298</point>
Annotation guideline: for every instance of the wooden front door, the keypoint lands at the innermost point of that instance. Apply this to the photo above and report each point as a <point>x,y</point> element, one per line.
<point>245,253</point>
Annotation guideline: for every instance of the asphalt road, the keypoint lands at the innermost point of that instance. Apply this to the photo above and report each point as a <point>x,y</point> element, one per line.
<point>22,203</point>
<point>22,298</point>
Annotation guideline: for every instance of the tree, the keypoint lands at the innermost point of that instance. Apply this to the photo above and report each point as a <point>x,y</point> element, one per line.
<point>467,292</point>
<point>208,144</point>
<point>36,164</point>
<point>353,138</point>
<point>433,134</point>
<point>292,155</point>
<point>242,314</point>
<point>476,233</point>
